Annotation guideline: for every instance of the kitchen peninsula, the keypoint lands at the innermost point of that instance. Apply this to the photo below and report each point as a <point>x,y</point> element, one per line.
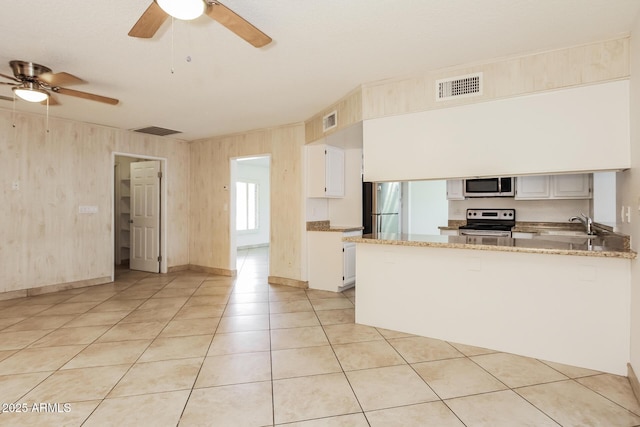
<point>551,300</point>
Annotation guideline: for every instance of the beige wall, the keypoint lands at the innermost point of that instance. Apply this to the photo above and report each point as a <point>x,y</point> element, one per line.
<point>503,78</point>
<point>44,240</point>
<point>210,236</point>
<point>349,111</point>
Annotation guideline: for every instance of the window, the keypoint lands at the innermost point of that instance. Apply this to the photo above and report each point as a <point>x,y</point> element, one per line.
<point>246,206</point>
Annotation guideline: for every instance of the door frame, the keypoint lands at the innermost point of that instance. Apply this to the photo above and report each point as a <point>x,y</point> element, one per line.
<point>233,178</point>
<point>163,206</point>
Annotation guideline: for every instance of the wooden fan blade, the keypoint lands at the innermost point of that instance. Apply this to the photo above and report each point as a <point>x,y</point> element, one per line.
<point>86,95</point>
<point>9,77</point>
<point>52,101</point>
<point>9,84</point>
<point>237,24</point>
<point>149,22</point>
<point>60,79</point>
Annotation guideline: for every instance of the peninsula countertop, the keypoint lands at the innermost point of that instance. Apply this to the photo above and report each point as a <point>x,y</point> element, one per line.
<point>579,247</point>
<point>326,226</point>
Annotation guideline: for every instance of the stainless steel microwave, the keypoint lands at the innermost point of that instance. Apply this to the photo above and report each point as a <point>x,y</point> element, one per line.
<point>490,187</point>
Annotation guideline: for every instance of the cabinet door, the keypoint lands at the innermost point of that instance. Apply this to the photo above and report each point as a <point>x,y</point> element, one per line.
<point>349,275</point>
<point>334,171</point>
<point>325,171</point>
<point>575,186</point>
<point>533,187</point>
<point>455,189</point>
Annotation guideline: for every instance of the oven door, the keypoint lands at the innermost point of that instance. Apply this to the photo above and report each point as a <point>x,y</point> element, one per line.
<point>488,233</point>
<point>487,237</point>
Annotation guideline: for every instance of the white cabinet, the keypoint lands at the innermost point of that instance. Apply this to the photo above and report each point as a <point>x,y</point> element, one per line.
<point>325,171</point>
<point>349,258</point>
<point>522,235</point>
<point>533,187</point>
<point>332,262</point>
<point>573,186</point>
<point>455,189</point>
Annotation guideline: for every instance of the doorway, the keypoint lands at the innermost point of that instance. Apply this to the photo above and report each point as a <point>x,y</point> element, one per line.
<point>139,236</point>
<point>250,215</point>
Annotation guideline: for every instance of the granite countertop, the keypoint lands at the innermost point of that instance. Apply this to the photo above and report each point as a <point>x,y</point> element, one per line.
<point>579,247</point>
<point>326,226</point>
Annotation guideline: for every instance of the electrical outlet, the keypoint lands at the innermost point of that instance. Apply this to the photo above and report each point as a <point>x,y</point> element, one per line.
<point>88,209</point>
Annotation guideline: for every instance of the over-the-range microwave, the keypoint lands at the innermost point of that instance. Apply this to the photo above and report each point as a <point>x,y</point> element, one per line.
<point>490,187</point>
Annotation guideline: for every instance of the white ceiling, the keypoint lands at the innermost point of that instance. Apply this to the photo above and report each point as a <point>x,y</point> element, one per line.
<point>321,50</point>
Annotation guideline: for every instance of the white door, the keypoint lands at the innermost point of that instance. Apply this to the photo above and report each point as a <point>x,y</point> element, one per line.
<point>145,216</point>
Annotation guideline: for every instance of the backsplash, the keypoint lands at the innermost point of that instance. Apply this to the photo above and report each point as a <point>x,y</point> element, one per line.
<point>526,210</point>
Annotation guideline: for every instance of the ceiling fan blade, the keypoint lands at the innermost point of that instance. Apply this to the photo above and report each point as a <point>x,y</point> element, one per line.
<point>149,22</point>
<point>237,24</point>
<point>60,79</point>
<point>85,95</point>
<point>9,77</point>
<point>52,101</point>
<point>6,98</point>
<point>8,84</point>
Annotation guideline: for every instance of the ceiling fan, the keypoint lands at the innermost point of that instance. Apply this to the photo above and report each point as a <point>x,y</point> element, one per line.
<point>35,82</point>
<point>160,10</point>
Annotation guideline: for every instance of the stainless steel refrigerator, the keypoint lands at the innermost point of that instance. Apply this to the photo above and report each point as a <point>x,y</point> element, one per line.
<point>387,203</point>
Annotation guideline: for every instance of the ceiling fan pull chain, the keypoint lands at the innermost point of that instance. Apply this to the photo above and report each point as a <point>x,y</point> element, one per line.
<point>13,115</point>
<point>47,123</point>
<point>172,48</point>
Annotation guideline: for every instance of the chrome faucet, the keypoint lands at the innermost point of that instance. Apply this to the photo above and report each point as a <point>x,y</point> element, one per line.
<point>587,221</point>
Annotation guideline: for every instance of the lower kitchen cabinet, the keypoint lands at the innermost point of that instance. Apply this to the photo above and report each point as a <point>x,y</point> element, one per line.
<point>332,262</point>
<point>449,232</point>
<point>522,235</point>
<point>349,268</point>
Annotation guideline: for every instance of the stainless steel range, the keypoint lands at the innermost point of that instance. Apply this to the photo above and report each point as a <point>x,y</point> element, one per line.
<point>489,222</point>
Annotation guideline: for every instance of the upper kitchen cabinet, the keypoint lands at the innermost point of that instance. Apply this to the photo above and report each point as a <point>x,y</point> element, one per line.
<point>542,133</point>
<point>455,189</point>
<point>570,186</point>
<point>325,165</point>
<point>533,187</point>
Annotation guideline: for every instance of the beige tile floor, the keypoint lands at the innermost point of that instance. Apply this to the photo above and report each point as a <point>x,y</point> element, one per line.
<point>192,349</point>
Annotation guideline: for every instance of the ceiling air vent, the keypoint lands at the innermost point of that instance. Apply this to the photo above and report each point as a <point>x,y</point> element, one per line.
<point>459,87</point>
<point>158,131</point>
<point>330,121</point>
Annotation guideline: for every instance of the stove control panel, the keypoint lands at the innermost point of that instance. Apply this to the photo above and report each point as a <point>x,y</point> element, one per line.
<point>492,214</point>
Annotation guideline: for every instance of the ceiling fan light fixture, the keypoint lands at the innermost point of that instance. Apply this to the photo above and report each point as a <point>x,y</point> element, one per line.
<point>182,9</point>
<point>30,93</point>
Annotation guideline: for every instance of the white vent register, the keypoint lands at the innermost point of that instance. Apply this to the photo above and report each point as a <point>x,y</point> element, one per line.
<point>330,121</point>
<point>459,87</point>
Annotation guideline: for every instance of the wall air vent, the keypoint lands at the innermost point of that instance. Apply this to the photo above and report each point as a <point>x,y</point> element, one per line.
<point>158,131</point>
<point>459,87</point>
<point>330,121</point>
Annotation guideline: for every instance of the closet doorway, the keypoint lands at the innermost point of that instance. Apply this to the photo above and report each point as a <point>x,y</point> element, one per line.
<point>138,208</point>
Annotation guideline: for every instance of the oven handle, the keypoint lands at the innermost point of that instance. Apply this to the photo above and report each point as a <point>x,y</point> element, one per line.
<point>501,234</point>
